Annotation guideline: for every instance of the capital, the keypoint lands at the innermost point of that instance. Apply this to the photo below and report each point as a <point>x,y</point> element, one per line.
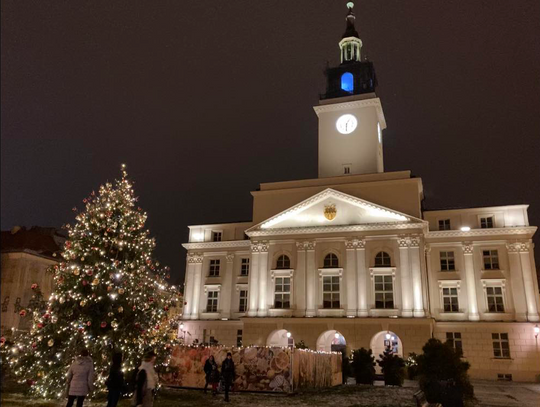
<point>467,247</point>
<point>194,258</point>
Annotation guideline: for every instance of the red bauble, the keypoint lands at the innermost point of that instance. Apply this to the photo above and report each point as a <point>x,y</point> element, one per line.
<point>46,316</point>
<point>151,299</point>
<point>22,313</point>
<point>89,323</point>
<point>34,286</point>
<point>89,272</point>
<point>103,324</point>
<point>34,345</point>
<point>84,282</point>
<point>166,308</point>
<point>40,325</point>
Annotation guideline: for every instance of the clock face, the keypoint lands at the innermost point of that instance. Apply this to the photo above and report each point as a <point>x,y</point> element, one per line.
<point>346,124</point>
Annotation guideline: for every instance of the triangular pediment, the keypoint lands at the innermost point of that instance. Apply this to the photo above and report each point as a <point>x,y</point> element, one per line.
<point>331,209</point>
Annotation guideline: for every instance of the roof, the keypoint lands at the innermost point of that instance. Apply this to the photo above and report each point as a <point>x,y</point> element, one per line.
<point>37,240</point>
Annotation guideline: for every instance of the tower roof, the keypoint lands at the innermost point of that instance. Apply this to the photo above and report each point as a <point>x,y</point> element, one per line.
<point>350,31</point>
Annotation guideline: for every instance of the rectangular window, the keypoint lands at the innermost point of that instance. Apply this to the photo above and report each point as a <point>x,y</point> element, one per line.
<point>214,268</point>
<point>212,302</point>
<point>454,339</point>
<point>242,307</point>
<point>331,292</point>
<point>447,261</point>
<point>282,294</point>
<point>216,236</point>
<point>244,267</point>
<point>487,222</point>
<point>444,224</point>
<point>491,259</point>
<point>346,169</point>
<point>384,292</point>
<point>495,299</point>
<point>450,299</point>
<point>239,338</point>
<point>501,346</point>
<point>505,377</point>
<point>5,304</point>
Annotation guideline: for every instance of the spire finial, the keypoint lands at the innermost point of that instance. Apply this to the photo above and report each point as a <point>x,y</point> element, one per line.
<point>350,30</point>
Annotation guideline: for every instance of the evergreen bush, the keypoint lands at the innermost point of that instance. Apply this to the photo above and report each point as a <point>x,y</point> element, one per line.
<point>393,368</point>
<point>363,366</point>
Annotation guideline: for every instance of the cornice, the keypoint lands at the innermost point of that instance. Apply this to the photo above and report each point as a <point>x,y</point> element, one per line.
<point>217,245</point>
<point>526,230</point>
<point>347,105</point>
<point>336,229</point>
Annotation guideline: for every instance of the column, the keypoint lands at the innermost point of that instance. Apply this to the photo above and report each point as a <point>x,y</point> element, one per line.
<point>362,278</point>
<point>312,292</point>
<point>188,286</point>
<point>254,280</point>
<point>528,282</point>
<point>263,279</point>
<point>516,278</point>
<point>350,278</point>
<point>197,283</point>
<point>414,257</point>
<point>405,273</point>
<point>468,250</point>
<point>429,285</point>
<point>227,289</point>
<point>299,299</point>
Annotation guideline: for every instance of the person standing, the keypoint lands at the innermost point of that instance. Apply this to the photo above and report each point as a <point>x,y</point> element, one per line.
<point>80,379</point>
<point>115,381</point>
<point>208,370</point>
<point>147,380</point>
<point>214,378</point>
<point>228,373</point>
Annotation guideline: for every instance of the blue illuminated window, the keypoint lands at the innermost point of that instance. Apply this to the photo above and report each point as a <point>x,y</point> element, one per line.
<point>347,82</point>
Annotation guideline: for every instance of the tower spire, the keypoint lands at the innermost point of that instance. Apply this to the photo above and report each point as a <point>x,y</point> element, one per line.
<point>350,44</point>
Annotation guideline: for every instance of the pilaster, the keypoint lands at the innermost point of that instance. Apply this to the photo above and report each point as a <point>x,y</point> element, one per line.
<point>405,273</point>
<point>227,291</point>
<point>523,248</point>
<point>311,275</point>
<point>197,260</point>
<point>414,256</point>
<point>300,280</point>
<point>362,278</point>
<point>350,278</point>
<point>468,261</point>
<point>263,279</point>
<point>254,281</point>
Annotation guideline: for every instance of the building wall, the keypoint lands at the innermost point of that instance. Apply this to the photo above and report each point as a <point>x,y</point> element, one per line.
<point>19,271</point>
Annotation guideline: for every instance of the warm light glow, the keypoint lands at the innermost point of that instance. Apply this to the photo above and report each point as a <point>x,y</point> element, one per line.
<point>388,336</point>
<point>536,331</point>
<point>336,335</point>
<point>182,326</point>
<point>465,228</point>
<point>288,334</point>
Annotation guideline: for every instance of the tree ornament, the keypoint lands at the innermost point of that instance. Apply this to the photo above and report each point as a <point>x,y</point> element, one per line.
<point>50,343</point>
<point>114,324</point>
<point>2,340</point>
<point>109,288</point>
<point>34,345</point>
<point>110,314</point>
<point>88,323</point>
<point>76,272</point>
<point>83,303</point>
<point>89,272</point>
<point>120,309</point>
<point>121,291</point>
<point>61,300</point>
<point>95,281</point>
<point>84,282</point>
<point>22,313</point>
<point>40,325</point>
<point>103,324</point>
<point>34,286</point>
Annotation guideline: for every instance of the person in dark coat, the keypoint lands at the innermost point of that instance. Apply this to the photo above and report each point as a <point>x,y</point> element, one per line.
<point>208,370</point>
<point>214,378</point>
<point>115,381</point>
<point>228,373</point>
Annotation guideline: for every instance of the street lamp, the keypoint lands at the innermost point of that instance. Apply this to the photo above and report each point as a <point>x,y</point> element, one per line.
<point>336,335</point>
<point>536,331</point>
<point>288,334</point>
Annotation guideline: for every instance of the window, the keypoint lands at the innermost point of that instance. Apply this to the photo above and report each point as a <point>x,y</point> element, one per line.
<point>212,301</point>
<point>331,292</point>
<point>347,82</point>
<point>495,299</point>
<point>331,261</point>
<point>447,261</point>
<point>444,224</point>
<point>282,294</point>
<point>454,340</point>
<point>238,338</point>
<point>501,346</point>
<point>384,292</point>
<point>382,259</point>
<point>211,335</point>
<point>244,267</point>
<point>491,259</point>
<point>242,307</point>
<point>487,222</point>
<point>216,236</point>
<point>214,268</point>
<point>283,262</point>
<point>5,304</point>
<point>450,299</point>
<point>505,377</point>
<point>346,169</point>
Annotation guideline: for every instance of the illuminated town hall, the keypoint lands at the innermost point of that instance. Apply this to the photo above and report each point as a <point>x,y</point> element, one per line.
<point>350,259</point>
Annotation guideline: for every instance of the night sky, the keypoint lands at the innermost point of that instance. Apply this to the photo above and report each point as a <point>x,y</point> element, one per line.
<point>204,100</point>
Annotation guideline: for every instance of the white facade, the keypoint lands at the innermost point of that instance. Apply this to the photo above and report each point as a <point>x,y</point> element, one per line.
<point>350,259</point>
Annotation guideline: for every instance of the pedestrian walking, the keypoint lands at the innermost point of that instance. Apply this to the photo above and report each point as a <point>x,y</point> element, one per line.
<point>146,382</point>
<point>208,370</point>
<point>80,379</point>
<point>115,381</point>
<point>228,373</point>
<point>214,378</point>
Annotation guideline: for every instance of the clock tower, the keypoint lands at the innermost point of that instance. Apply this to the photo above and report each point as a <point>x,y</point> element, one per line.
<point>351,118</point>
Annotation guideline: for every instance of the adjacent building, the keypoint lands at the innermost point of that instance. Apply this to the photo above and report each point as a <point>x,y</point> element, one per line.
<point>351,260</point>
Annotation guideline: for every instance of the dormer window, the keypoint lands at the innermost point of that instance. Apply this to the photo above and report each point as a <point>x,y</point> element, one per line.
<point>283,262</point>
<point>347,82</point>
<point>216,236</point>
<point>487,222</point>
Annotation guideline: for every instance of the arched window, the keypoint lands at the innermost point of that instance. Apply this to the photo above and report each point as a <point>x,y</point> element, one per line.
<point>347,82</point>
<point>283,262</point>
<point>382,259</point>
<point>331,261</point>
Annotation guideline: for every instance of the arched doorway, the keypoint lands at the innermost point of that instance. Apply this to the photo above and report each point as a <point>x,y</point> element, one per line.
<point>331,341</point>
<point>381,341</point>
<point>280,338</point>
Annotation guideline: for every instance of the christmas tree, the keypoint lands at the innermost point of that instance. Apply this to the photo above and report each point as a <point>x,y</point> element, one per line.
<point>109,296</point>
